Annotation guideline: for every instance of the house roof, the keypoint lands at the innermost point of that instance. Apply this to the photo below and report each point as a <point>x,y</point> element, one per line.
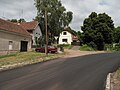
<point>11,27</point>
<point>29,25</point>
<point>70,31</point>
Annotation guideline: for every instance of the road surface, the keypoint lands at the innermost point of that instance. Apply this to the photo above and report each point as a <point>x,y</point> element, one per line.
<point>78,73</point>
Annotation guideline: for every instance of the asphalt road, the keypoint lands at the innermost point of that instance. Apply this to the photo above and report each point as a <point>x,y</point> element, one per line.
<point>79,73</point>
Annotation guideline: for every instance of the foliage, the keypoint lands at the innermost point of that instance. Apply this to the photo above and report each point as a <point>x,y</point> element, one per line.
<point>98,28</point>
<point>58,17</point>
<point>21,20</point>
<point>13,20</point>
<point>40,41</point>
<point>93,45</point>
<point>117,35</point>
<point>66,46</point>
<point>117,47</point>
<point>17,21</point>
<point>112,47</point>
<point>86,48</point>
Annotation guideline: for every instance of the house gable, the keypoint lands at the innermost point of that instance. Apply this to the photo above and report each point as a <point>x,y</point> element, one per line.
<point>34,29</point>
<point>65,37</point>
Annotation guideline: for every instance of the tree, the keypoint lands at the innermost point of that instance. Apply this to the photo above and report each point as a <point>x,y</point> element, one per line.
<point>98,28</point>
<point>99,41</point>
<point>17,21</point>
<point>14,20</point>
<point>58,17</point>
<point>21,20</point>
<point>117,35</point>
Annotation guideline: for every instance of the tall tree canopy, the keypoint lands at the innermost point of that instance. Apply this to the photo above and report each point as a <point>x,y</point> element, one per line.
<point>17,21</point>
<point>58,17</point>
<point>98,28</point>
<point>117,35</point>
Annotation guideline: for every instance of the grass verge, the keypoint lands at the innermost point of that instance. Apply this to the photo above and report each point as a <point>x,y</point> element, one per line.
<point>8,56</point>
<point>66,46</point>
<point>116,80</point>
<point>23,58</point>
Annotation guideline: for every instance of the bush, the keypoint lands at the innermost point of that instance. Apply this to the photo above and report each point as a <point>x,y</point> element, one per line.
<point>117,47</point>
<point>86,48</point>
<point>67,46</point>
<point>108,47</point>
<point>114,47</point>
<point>93,45</point>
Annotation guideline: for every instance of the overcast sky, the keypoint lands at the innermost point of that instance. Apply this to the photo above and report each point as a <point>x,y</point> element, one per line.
<point>81,9</point>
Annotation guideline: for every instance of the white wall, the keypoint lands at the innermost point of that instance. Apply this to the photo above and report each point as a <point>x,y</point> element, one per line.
<point>36,33</point>
<point>68,36</point>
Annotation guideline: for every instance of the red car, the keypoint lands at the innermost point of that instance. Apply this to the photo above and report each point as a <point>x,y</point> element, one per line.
<point>51,49</point>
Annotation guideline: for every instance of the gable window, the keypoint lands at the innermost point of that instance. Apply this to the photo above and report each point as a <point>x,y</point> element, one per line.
<point>64,40</point>
<point>64,33</point>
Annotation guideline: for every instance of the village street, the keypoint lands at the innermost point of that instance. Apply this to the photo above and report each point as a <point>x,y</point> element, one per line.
<point>71,72</point>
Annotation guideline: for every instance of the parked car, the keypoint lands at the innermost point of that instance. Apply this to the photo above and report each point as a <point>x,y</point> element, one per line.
<point>50,49</point>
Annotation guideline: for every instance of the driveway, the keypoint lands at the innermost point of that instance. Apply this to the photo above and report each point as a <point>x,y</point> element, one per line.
<point>75,73</point>
<point>76,53</point>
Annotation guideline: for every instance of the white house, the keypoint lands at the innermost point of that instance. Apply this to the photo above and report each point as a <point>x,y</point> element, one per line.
<point>34,29</point>
<point>13,38</point>
<point>67,38</point>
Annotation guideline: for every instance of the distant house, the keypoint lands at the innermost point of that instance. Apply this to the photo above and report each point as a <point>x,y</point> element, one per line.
<point>66,37</point>
<point>13,38</point>
<point>34,29</point>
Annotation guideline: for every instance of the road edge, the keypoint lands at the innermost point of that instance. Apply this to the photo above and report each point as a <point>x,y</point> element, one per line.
<point>108,82</point>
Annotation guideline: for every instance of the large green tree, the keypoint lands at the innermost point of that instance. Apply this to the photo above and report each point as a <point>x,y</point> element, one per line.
<point>98,28</point>
<point>58,17</point>
<point>117,35</point>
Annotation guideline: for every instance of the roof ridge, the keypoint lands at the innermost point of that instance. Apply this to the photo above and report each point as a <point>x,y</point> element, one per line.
<point>29,25</point>
<point>11,27</point>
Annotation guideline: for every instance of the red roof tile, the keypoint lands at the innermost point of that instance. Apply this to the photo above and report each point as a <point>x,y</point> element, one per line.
<point>29,25</point>
<point>11,27</point>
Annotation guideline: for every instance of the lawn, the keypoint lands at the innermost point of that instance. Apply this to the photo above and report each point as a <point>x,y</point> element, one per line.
<point>23,58</point>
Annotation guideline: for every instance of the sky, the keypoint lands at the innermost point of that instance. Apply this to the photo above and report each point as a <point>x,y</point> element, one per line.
<point>81,9</point>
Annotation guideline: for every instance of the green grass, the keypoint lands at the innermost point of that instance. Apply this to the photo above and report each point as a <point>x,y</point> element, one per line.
<point>86,48</point>
<point>5,56</point>
<point>24,57</point>
<point>66,46</point>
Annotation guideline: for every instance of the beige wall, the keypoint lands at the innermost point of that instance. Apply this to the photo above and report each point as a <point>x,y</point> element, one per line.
<point>6,38</point>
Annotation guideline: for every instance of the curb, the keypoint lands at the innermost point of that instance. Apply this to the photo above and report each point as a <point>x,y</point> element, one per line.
<point>19,65</point>
<point>108,82</point>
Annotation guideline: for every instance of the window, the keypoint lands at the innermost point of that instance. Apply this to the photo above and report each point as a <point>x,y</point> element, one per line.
<point>64,33</point>
<point>64,40</point>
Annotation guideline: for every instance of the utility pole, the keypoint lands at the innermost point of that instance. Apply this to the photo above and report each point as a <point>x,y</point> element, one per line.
<point>46,46</point>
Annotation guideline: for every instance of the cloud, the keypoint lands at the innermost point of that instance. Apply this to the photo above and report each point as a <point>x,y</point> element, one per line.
<point>80,8</point>
<point>15,9</point>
